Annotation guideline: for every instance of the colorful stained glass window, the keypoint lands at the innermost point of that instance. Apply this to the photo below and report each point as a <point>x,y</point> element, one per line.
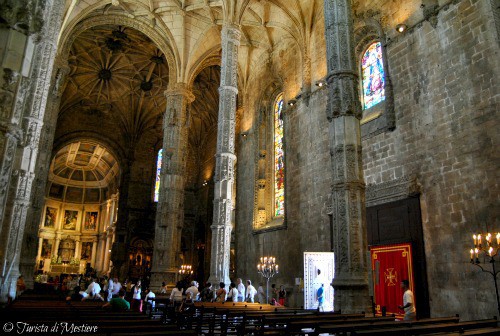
<point>158,170</point>
<point>372,69</point>
<point>279,159</point>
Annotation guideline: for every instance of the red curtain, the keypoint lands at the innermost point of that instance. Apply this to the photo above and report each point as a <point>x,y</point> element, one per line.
<point>391,264</point>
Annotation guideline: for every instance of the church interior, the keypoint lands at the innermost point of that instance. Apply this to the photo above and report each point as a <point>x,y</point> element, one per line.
<point>338,138</point>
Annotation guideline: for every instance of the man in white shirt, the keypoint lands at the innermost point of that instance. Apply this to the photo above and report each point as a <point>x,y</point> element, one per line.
<point>241,290</point>
<point>232,295</point>
<point>194,290</point>
<point>408,302</point>
<point>116,287</point>
<point>93,291</point>
<point>251,291</point>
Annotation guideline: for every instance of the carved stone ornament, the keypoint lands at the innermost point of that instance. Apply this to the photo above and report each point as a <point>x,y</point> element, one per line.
<point>391,191</point>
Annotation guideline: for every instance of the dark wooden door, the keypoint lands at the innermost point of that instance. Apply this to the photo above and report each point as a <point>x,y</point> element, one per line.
<point>400,222</point>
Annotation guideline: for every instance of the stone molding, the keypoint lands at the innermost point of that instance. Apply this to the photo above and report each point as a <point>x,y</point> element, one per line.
<point>394,190</point>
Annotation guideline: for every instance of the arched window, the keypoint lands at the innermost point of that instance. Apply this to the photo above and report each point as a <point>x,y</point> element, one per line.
<point>279,159</point>
<point>158,170</point>
<point>372,69</point>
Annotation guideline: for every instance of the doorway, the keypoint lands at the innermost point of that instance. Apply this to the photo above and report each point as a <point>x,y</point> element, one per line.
<point>318,269</point>
<point>400,223</point>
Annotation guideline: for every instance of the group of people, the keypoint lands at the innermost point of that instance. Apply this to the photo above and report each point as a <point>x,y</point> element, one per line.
<point>237,292</point>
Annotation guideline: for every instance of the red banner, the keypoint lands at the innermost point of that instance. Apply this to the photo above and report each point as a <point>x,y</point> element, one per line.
<point>391,264</point>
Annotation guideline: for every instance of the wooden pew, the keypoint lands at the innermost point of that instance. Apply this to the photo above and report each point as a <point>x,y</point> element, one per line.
<point>405,330</point>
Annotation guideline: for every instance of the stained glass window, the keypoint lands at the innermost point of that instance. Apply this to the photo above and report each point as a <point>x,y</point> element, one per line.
<point>372,70</point>
<point>158,169</point>
<point>279,159</point>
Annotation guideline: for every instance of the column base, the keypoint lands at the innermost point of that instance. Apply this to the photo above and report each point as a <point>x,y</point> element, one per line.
<point>351,296</point>
<point>9,289</point>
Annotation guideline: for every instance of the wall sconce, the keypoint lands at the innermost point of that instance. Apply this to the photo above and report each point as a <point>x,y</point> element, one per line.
<point>401,28</point>
<point>320,83</point>
<point>291,102</point>
<point>244,135</point>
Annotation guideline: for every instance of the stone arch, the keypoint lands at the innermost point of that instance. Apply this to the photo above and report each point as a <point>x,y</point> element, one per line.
<point>168,49</point>
<point>209,58</point>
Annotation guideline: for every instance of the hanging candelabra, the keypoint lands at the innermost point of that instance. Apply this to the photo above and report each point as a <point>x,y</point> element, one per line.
<point>267,268</point>
<point>487,250</point>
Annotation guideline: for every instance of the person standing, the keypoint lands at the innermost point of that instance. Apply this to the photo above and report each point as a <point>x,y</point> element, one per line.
<point>136,297</point>
<point>207,294</point>
<point>241,290</point>
<point>282,295</point>
<point>233,293</point>
<point>261,294</point>
<point>111,288</point>
<point>251,291</point>
<point>194,290</point>
<point>321,297</point>
<point>408,302</point>
<point>220,295</point>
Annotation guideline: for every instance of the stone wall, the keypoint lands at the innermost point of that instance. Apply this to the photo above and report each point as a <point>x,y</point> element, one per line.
<point>445,75</point>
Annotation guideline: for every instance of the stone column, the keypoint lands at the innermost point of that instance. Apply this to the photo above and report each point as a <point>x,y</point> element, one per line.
<point>170,208</point>
<point>344,114</point>
<point>94,252</point>
<point>78,248</point>
<point>107,255</point>
<point>28,260</point>
<point>225,157</point>
<point>21,120</point>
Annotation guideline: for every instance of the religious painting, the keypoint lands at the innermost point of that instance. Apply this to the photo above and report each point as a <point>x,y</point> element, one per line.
<point>70,218</point>
<point>86,251</point>
<point>90,222</point>
<point>46,249</point>
<point>391,264</point>
<point>50,217</point>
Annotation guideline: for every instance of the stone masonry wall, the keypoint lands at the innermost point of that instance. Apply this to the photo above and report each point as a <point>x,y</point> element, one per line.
<point>446,93</point>
<point>447,100</point>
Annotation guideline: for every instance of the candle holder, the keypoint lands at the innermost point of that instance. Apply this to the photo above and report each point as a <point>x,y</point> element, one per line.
<point>487,247</point>
<point>186,270</point>
<point>267,268</point>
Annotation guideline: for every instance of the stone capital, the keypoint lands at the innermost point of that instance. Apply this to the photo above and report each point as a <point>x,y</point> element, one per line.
<point>180,89</point>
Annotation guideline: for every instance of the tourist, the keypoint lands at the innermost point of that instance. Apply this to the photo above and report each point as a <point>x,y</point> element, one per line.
<point>241,290</point>
<point>163,288</point>
<point>117,286</point>
<point>76,295</point>
<point>207,294</point>
<point>119,303</point>
<point>251,291</point>
<point>321,298</point>
<point>136,297</point>
<point>261,294</point>
<point>194,290</point>
<point>110,289</point>
<point>408,302</point>
<point>93,291</point>
<point>220,295</point>
<point>282,295</point>
<point>176,294</point>
<point>232,295</point>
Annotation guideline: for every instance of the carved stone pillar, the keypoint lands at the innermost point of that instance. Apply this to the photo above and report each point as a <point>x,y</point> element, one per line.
<point>170,208</point>
<point>344,113</point>
<point>26,113</point>
<point>28,256</point>
<point>225,157</point>
<point>94,252</point>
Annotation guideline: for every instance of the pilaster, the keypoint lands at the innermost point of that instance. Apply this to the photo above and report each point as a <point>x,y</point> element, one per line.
<point>348,190</point>
<point>225,157</point>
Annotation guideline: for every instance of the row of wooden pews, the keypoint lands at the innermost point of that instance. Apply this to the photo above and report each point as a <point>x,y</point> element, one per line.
<point>57,317</point>
<point>259,320</point>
